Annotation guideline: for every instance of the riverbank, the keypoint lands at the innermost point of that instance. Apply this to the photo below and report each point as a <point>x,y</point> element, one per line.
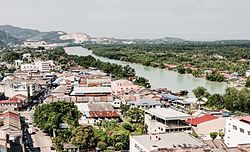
<point>160,78</point>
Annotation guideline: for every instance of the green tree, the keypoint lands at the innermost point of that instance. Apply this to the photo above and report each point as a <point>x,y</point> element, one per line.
<point>181,70</point>
<point>213,135</point>
<point>128,126</point>
<point>135,115</point>
<point>49,116</point>
<point>221,134</point>
<point>188,70</point>
<point>196,73</point>
<point>124,108</point>
<point>200,92</point>
<point>216,100</point>
<point>83,137</point>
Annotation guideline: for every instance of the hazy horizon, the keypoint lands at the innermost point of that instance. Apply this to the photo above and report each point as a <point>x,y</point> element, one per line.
<point>145,19</point>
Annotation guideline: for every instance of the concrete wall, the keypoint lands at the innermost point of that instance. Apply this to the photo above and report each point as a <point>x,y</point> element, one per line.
<point>233,136</point>
<point>216,125</point>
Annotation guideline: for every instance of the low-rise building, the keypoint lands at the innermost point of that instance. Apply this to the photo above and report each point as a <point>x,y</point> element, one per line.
<point>146,103</point>
<point>120,87</point>
<point>91,91</point>
<point>29,68</point>
<point>10,131</point>
<point>96,112</point>
<point>14,103</point>
<point>168,142</point>
<point>161,120</point>
<point>237,131</point>
<point>18,63</point>
<point>204,125</point>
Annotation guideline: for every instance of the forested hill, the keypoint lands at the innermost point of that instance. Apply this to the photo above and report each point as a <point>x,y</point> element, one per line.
<point>23,34</point>
<point>7,39</point>
<point>19,33</point>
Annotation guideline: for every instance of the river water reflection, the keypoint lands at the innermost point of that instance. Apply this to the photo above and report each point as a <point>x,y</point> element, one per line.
<point>160,78</point>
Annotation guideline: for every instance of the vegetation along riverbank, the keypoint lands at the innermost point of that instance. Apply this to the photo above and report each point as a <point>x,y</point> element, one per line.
<point>217,61</point>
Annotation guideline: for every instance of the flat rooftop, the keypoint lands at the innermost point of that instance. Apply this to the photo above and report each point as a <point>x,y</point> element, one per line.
<point>91,90</point>
<point>168,140</point>
<point>167,113</point>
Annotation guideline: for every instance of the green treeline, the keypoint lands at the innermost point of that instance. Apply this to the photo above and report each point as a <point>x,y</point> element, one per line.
<point>213,56</point>
<point>118,71</point>
<point>233,99</point>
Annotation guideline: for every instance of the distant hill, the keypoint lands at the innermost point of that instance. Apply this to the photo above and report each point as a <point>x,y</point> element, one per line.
<point>23,34</point>
<point>19,33</point>
<point>14,35</point>
<point>52,37</point>
<point>7,39</point>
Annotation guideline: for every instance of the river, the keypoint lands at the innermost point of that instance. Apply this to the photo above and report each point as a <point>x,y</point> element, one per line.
<point>160,78</point>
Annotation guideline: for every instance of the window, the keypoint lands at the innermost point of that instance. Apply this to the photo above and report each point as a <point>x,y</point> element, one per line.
<point>241,130</point>
<point>234,127</point>
<point>248,133</point>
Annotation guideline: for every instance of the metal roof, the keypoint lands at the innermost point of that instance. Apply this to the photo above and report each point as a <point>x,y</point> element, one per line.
<point>168,140</point>
<point>167,113</point>
<point>91,90</point>
<point>148,102</point>
<point>169,96</point>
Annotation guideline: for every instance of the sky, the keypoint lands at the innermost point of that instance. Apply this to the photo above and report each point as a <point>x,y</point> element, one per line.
<point>188,19</point>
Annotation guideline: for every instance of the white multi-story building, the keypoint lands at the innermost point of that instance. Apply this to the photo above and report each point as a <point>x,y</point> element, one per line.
<point>29,68</point>
<point>44,66</point>
<point>237,131</point>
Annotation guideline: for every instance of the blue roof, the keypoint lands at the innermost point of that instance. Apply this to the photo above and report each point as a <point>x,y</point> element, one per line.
<point>57,81</point>
<point>169,96</point>
<point>148,102</point>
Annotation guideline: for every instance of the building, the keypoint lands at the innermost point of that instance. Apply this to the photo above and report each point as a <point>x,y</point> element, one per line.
<point>146,103</point>
<point>18,63</point>
<point>29,68</point>
<point>205,124</point>
<point>120,87</point>
<point>237,131</point>
<point>96,112</point>
<point>91,91</point>
<point>10,131</point>
<point>13,103</point>
<point>44,66</point>
<point>117,103</point>
<point>98,82</point>
<point>168,97</point>
<point>27,56</point>
<point>161,120</point>
<point>168,142</point>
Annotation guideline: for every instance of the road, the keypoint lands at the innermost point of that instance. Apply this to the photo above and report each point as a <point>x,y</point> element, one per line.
<point>39,138</point>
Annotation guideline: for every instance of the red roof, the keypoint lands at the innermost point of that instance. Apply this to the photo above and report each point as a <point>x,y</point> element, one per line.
<point>245,119</point>
<point>11,100</point>
<point>9,114</point>
<point>199,120</point>
<point>103,114</point>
